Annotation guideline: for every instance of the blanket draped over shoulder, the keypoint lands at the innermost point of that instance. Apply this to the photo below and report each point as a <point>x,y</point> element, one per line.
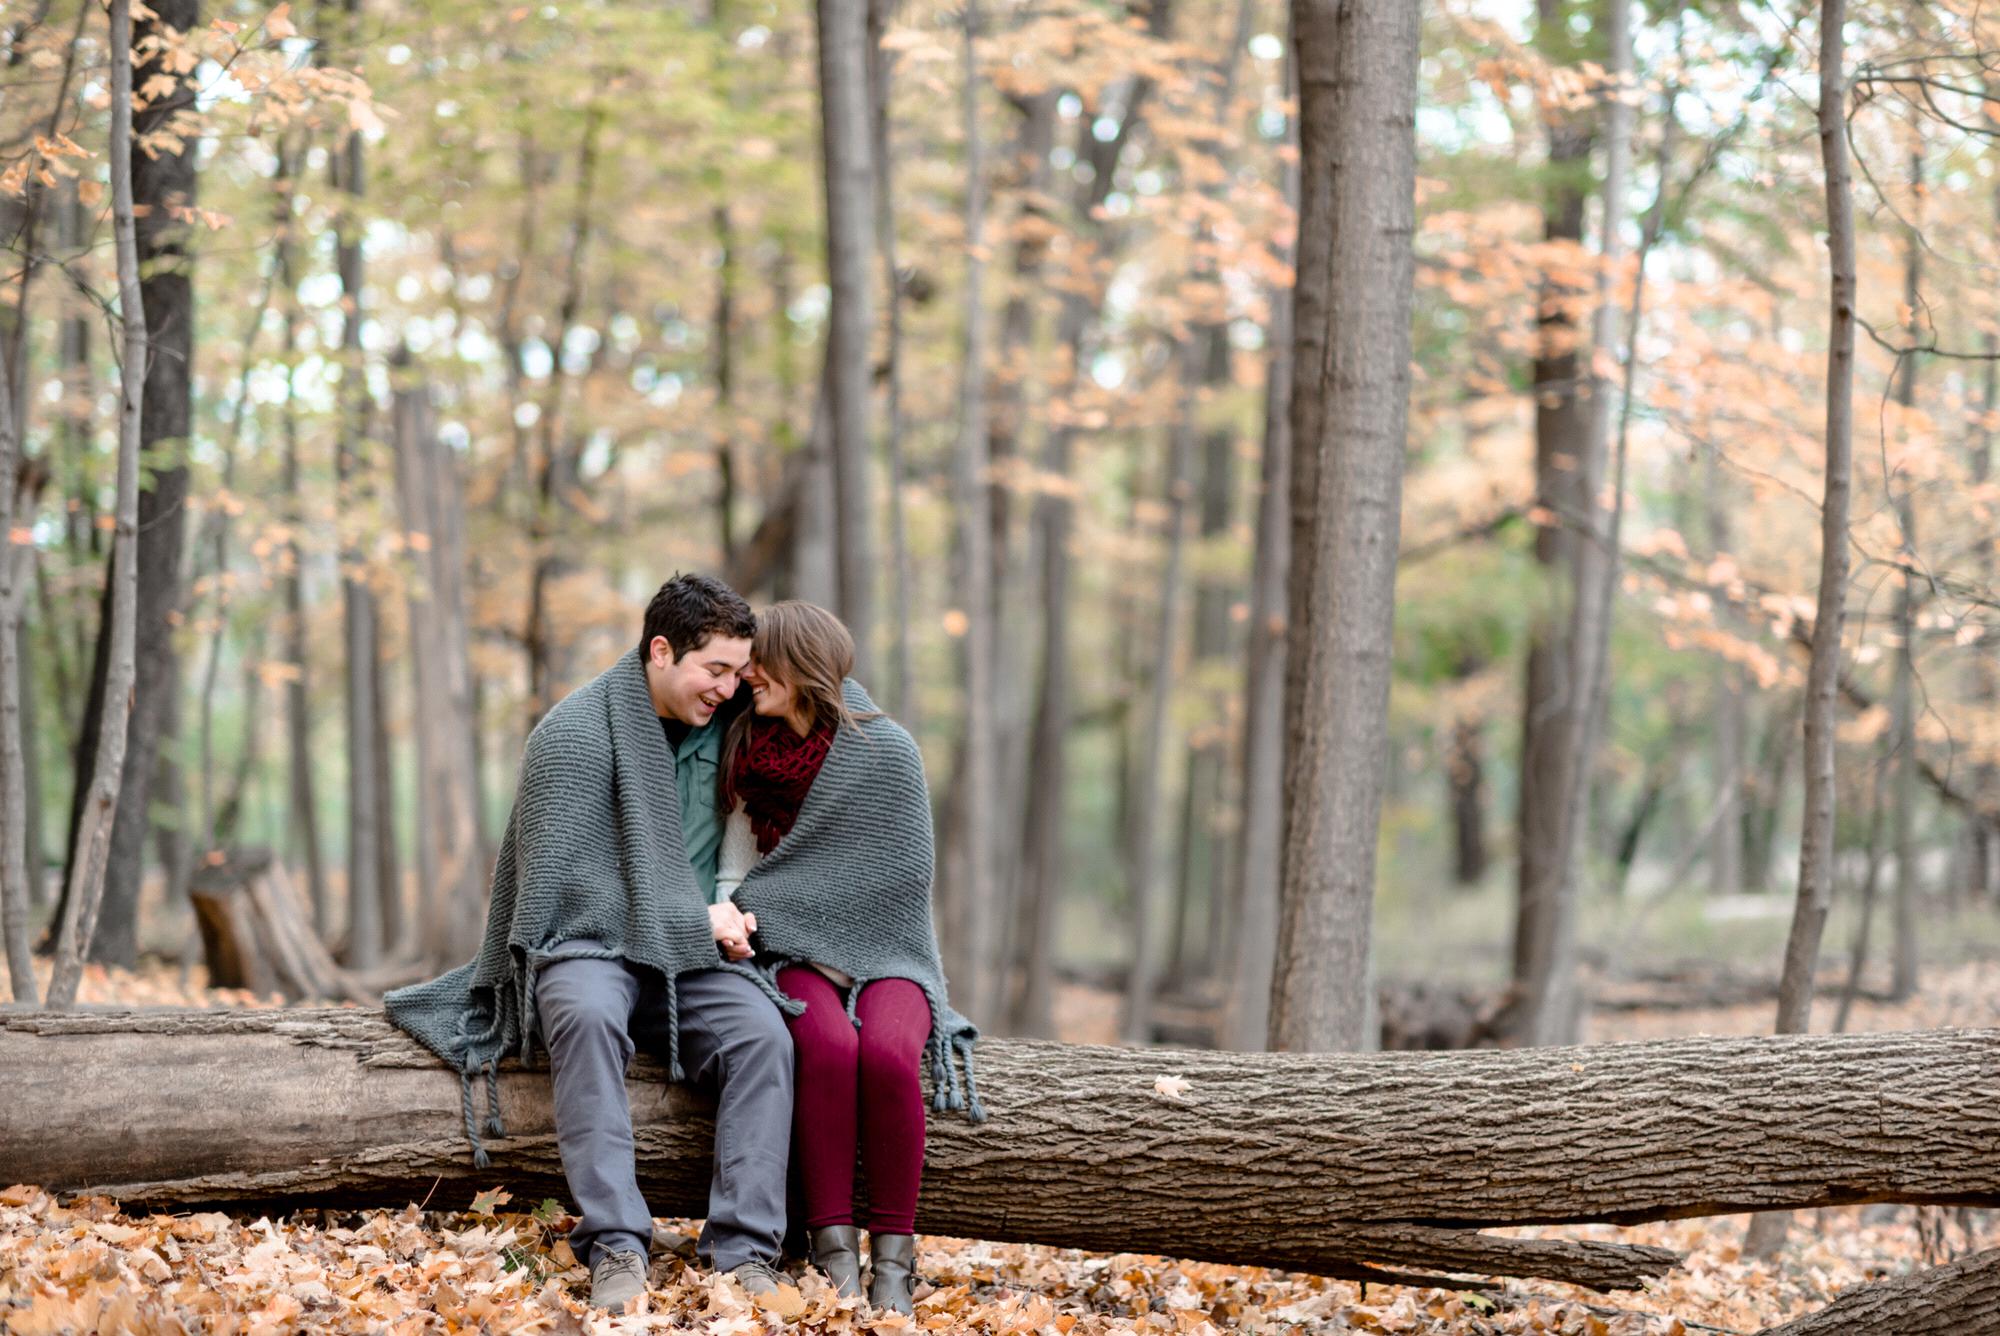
<point>592,852</point>
<point>850,885</point>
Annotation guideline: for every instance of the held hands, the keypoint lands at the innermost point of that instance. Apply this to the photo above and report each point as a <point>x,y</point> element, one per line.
<point>732,928</point>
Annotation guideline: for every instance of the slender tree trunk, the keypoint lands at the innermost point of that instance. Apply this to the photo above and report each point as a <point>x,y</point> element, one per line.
<point>1572,435</point>
<point>1465,767</point>
<point>1902,704</point>
<point>1261,832</point>
<point>556,478</point>
<point>1152,898</point>
<point>881,69</point>
<point>100,804</point>
<point>973,581</point>
<point>850,234</point>
<point>302,814</point>
<point>1350,404</point>
<point>1857,959</point>
<point>1044,812</point>
<point>16,571</point>
<point>163,188</point>
<point>1823,675</point>
<point>361,622</point>
<point>1816,870</point>
<point>1726,679</point>
<point>725,384</point>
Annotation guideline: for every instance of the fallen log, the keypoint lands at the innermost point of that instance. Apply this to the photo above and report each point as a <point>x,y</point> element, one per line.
<point>1961,1298</point>
<point>1257,1159</point>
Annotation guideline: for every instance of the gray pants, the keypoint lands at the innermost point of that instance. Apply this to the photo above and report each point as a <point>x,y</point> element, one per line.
<point>594,1013</point>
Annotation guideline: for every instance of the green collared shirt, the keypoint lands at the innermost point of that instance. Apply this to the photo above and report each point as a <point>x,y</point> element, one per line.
<point>697,763</point>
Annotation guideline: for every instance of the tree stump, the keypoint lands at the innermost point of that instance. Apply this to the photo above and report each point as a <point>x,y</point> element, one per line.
<point>257,934</point>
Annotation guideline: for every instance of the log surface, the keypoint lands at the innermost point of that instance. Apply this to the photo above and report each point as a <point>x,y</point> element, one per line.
<point>1264,1159</point>
<point>1961,1298</point>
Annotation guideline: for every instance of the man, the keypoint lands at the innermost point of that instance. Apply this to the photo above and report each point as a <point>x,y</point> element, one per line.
<point>602,936</point>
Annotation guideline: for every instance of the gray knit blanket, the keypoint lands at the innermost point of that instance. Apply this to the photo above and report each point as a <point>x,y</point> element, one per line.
<point>592,852</point>
<point>850,886</point>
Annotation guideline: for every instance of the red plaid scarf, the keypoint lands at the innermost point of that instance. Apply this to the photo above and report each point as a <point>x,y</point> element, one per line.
<point>774,770</point>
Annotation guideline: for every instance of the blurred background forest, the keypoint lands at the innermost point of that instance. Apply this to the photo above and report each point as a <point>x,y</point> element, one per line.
<point>472,323</point>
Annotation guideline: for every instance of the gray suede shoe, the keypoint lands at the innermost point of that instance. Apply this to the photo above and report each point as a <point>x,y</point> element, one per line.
<point>892,1279</point>
<point>837,1251</point>
<point>758,1278</point>
<point>615,1279</point>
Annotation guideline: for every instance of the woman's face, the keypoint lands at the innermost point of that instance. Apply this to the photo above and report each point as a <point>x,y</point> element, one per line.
<point>770,694</point>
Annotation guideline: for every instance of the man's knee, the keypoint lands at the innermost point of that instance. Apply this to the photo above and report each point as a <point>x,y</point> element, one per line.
<point>759,1041</point>
<point>583,1006</point>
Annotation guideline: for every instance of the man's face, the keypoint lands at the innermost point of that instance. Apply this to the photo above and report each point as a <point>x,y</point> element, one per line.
<point>690,690</point>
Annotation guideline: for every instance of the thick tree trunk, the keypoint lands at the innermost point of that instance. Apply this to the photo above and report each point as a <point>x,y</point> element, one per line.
<point>1350,404</point>
<point>1959,1299</point>
<point>1261,1159</point>
<point>850,235</point>
<point>1270,1159</point>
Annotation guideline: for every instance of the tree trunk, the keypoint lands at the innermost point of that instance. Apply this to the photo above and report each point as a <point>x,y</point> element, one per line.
<point>1572,436</point>
<point>1816,869</point>
<point>1152,898</point>
<point>1725,863</point>
<point>1044,813</point>
<point>1823,675</point>
<point>163,189</point>
<point>975,891</point>
<point>902,675</point>
<point>1465,767</point>
<point>850,235</point>
<point>1350,402</point>
<point>1959,1299</point>
<point>1261,1159</point>
<point>451,855</point>
<point>1902,704</point>
<point>1260,829</point>
<point>99,797</point>
<point>302,816</point>
<point>360,621</point>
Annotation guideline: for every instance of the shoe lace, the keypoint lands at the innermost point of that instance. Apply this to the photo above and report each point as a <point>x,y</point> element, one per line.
<point>758,1269</point>
<point>628,1262</point>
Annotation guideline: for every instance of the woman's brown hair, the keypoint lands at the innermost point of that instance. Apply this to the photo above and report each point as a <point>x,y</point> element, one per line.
<point>811,651</point>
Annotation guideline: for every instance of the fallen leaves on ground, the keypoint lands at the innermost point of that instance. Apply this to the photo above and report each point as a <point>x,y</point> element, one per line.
<point>82,1265</point>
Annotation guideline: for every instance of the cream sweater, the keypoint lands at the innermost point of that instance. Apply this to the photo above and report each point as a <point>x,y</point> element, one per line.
<point>739,854</point>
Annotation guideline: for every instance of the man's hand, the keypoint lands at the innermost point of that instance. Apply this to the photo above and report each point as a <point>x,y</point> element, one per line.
<point>732,928</point>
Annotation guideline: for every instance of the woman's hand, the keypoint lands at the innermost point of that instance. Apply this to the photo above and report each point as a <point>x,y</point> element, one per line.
<point>732,928</point>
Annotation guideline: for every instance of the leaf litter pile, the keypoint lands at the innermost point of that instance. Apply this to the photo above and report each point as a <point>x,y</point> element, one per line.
<point>80,1265</point>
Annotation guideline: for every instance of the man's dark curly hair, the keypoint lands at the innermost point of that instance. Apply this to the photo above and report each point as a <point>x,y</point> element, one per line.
<point>691,608</point>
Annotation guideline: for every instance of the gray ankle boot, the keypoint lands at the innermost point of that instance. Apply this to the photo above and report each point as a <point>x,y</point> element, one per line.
<point>892,1278</point>
<point>837,1251</point>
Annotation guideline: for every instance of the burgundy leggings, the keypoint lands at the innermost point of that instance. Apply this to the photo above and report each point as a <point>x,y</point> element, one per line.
<point>858,1085</point>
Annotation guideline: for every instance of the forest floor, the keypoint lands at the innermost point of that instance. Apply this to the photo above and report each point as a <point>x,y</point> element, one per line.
<point>80,1265</point>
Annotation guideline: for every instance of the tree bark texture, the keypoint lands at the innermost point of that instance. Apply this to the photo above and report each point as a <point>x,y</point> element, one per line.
<point>98,797</point>
<point>1816,868</point>
<point>1959,1299</point>
<point>1260,828</point>
<point>1350,404</point>
<point>1261,1159</point>
<point>452,857</point>
<point>163,188</point>
<point>850,239</point>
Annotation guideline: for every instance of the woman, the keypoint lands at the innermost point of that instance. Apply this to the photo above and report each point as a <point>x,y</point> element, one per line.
<point>828,844</point>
